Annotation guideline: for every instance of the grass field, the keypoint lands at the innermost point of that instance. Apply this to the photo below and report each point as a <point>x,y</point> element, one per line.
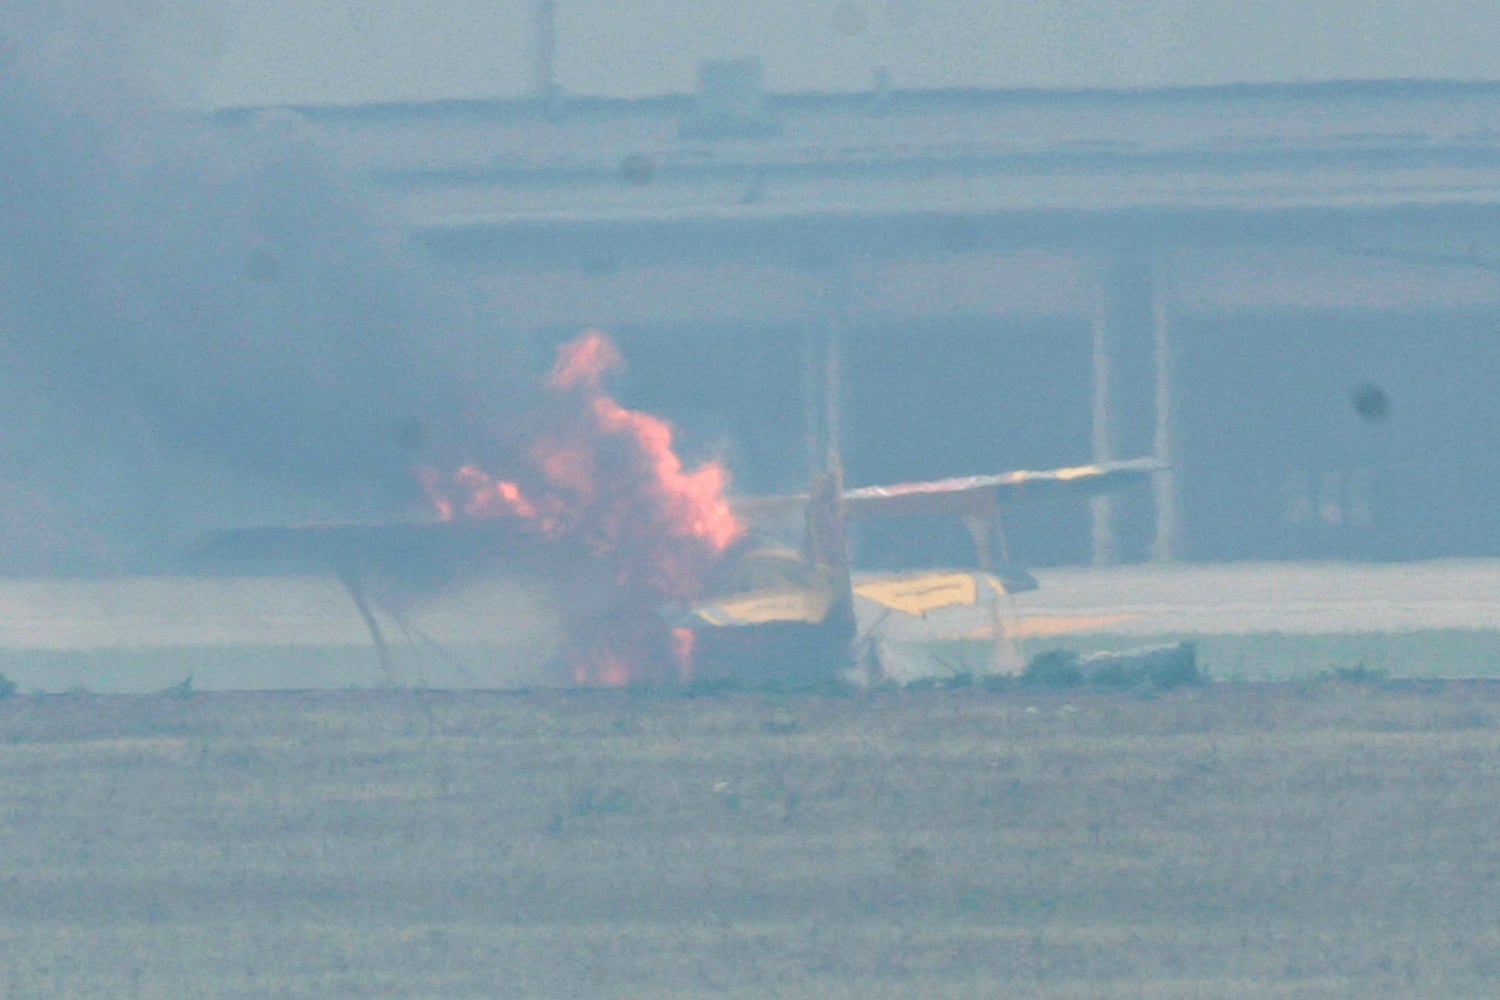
<point>1236,840</point>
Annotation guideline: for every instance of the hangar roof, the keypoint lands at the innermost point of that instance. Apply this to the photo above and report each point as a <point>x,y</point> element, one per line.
<point>458,168</point>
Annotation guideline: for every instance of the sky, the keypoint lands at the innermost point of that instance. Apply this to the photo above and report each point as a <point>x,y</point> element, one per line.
<point>236,52</point>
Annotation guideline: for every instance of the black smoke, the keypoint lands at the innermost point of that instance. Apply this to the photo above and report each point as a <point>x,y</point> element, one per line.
<point>203,324</point>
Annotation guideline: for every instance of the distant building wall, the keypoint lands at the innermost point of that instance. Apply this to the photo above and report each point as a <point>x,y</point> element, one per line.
<point>1022,280</point>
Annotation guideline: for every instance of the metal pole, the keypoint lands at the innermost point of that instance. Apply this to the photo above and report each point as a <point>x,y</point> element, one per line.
<point>1164,484</point>
<point>823,377</point>
<point>1102,507</point>
<point>544,82</point>
<point>812,410</point>
<point>833,392</point>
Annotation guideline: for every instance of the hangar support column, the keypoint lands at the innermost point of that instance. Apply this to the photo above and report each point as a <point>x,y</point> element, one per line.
<point>1164,483</point>
<point>823,380</point>
<point>1102,507</point>
<point>1132,403</point>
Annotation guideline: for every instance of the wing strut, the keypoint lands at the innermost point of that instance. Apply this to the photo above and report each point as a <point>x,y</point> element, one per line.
<point>984,527</point>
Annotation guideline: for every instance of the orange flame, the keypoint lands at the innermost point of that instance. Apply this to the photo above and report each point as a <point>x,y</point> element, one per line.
<point>609,476</point>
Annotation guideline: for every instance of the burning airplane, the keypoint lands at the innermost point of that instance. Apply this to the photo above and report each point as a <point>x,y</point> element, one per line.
<point>659,575</point>
<point>603,482</point>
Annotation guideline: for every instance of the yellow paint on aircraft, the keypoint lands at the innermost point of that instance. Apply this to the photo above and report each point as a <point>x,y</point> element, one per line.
<point>788,605</point>
<point>917,595</point>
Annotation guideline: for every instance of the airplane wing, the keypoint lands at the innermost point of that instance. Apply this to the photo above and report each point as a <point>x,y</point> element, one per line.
<point>980,494</point>
<point>913,595</point>
<point>963,494</point>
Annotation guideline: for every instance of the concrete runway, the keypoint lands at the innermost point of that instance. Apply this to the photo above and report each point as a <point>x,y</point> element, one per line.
<point>152,612</point>
<point>1296,598</point>
<point>147,633</point>
<point>1229,598</point>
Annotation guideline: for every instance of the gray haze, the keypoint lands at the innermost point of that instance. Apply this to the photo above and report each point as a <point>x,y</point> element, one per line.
<point>198,326</point>
<point>348,51</point>
<point>222,320</point>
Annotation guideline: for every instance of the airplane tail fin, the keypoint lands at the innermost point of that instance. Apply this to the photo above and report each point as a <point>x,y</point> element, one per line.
<point>824,543</point>
<point>825,547</point>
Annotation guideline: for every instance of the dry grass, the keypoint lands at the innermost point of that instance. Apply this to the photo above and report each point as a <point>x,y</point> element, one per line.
<point>1230,841</point>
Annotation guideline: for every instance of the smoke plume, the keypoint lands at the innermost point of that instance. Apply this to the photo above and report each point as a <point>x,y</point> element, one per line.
<point>202,324</point>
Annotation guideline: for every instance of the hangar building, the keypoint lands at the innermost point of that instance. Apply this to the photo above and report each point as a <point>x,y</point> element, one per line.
<point>1289,293</point>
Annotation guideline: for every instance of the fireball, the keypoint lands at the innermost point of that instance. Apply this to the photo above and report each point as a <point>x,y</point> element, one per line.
<point>607,480</point>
